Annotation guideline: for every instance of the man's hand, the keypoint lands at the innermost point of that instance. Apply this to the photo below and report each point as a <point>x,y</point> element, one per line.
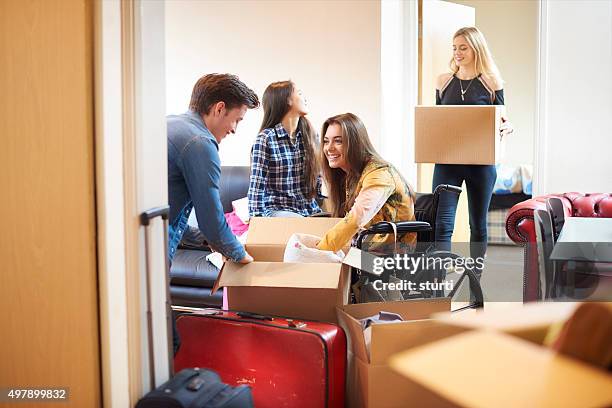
<point>247,259</point>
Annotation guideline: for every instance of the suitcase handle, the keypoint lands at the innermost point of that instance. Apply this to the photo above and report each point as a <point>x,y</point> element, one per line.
<point>145,220</point>
<point>148,215</point>
<point>290,322</point>
<point>255,316</point>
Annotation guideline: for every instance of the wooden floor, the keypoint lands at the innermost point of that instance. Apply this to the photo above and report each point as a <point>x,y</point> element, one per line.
<point>502,279</point>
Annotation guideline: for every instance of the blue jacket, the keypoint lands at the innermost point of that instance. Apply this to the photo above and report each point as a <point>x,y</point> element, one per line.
<point>194,171</point>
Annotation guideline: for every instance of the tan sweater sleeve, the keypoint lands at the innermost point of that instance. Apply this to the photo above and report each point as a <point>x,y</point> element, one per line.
<point>377,188</point>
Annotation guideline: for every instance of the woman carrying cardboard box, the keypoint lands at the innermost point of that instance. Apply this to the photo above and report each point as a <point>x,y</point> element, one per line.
<point>474,80</point>
<point>363,188</point>
<point>284,163</point>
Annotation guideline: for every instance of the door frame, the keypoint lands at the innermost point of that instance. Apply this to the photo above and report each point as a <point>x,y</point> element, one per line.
<point>540,136</point>
<point>110,28</point>
<point>129,88</point>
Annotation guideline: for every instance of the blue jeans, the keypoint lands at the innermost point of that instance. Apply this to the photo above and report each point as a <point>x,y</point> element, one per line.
<point>479,180</point>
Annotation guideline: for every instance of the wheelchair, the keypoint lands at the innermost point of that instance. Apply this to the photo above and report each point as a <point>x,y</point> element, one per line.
<point>426,209</point>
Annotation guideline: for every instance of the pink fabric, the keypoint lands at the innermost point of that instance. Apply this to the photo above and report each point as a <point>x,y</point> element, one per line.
<point>235,223</point>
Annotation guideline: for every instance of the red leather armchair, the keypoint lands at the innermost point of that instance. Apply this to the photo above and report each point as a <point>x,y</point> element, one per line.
<point>520,228</point>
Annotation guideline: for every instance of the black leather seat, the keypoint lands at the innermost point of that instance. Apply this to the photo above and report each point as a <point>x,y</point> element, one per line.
<point>191,275</point>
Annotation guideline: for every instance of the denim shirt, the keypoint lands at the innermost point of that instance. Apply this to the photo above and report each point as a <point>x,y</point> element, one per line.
<point>194,171</point>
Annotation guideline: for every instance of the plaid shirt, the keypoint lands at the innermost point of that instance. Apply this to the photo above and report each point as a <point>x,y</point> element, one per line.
<point>277,175</point>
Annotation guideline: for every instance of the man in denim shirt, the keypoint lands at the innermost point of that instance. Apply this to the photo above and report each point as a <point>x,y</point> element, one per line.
<point>218,103</point>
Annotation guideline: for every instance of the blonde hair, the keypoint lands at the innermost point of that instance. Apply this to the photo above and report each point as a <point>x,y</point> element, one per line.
<point>483,59</point>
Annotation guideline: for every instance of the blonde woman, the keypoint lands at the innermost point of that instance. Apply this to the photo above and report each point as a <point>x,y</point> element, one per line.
<point>474,80</point>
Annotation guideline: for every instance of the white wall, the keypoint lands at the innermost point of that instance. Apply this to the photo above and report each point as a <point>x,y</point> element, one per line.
<point>511,30</point>
<point>576,135</point>
<point>399,84</point>
<point>331,49</point>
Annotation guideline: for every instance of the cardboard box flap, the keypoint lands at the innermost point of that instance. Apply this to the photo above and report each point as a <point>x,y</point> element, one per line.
<point>354,332</point>
<point>408,309</point>
<point>528,321</point>
<point>361,260</point>
<point>266,252</point>
<point>277,231</point>
<point>281,275</point>
<point>488,369</point>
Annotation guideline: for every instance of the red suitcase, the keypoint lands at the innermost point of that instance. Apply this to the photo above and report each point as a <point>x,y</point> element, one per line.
<point>287,363</point>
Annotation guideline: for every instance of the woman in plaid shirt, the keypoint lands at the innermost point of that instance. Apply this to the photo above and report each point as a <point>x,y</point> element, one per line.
<point>285,177</point>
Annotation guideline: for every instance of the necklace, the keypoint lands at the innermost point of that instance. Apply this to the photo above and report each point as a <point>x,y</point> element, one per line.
<point>466,89</point>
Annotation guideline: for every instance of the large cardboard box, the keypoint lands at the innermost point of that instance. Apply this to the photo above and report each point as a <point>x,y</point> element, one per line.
<point>491,369</point>
<point>529,321</point>
<point>370,381</point>
<point>308,291</point>
<point>452,134</point>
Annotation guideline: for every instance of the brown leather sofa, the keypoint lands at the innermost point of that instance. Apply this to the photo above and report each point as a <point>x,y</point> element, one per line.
<point>191,275</point>
<point>520,227</point>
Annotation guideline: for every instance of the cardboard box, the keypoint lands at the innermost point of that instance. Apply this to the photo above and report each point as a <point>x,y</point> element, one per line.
<point>453,134</point>
<point>268,236</point>
<point>308,291</point>
<point>529,321</point>
<point>490,369</point>
<point>370,381</point>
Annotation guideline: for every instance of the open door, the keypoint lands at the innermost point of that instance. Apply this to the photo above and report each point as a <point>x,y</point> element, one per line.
<point>48,275</point>
<point>438,21</point>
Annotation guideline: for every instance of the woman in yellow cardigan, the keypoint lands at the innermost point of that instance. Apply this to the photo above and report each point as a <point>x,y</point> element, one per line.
<point>362,187</point>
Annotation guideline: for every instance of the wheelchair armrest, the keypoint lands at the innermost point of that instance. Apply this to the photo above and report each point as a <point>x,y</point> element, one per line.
<point>447,187</point>
<point>385,227</point>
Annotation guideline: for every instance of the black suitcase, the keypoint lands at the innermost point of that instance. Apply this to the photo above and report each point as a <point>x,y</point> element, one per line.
<point>197,388</point>
<point>191,387</point>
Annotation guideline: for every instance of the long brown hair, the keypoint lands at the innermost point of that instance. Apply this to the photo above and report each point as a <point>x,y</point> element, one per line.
<point>358,151</point>
<point>275,103</point>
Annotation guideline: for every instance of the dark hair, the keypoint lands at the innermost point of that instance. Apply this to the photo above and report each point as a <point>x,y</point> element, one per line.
<point>213,88</point>
<point>275,103</point>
